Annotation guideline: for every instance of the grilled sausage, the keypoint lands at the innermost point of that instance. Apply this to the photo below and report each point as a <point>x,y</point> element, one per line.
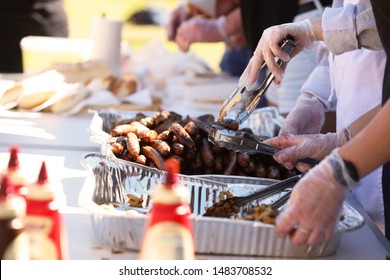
<point>153,155</point>
<point>161,146</point>
<point>229,124</point>
<point>182,136</point>
<point>261,170</point>
<point>192,128</point>
<point>243,159</point>
<point>273,172</point>
<point>141,159</point>
<point>177,148</point>
<point>206,152</point>
<point>231,160</point>
<point>147,136</point>
<point>117,149</point>
<point>133,146</point>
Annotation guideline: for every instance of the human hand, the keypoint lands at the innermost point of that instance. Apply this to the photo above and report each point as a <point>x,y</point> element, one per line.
<point>200,30</point>
<point>314,208</point>
<point>307,116</point>
<point>178,16</point>
<point>315,146</point>
<point>268,48</point>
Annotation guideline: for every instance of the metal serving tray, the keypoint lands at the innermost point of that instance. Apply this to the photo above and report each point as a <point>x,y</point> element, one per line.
<point>111,179</point>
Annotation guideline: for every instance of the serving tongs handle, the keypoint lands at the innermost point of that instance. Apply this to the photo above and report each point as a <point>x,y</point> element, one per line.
<point>272,189</point>
<point>241,103</point>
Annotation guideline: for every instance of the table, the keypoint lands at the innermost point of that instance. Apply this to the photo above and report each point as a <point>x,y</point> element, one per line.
<point>63,141</point>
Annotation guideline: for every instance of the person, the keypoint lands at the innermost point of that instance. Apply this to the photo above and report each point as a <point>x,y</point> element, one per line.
<point>20,18</point>
<point>202,23</point>
<point>284,95</point>
<point>315,204</point>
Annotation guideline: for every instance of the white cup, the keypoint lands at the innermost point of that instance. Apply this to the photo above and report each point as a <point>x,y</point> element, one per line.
<point>106,35</point>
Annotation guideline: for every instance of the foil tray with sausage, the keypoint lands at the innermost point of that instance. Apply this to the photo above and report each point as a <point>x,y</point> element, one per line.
<point>115,183</point>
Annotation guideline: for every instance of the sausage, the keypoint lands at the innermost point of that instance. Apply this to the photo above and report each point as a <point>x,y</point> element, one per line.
<point>243,159</point>
<point>273,172</point>
<point>122,140</point>
<point>231,163</point>
<point>203,126</point>
<point>117,149</point>
<point>153,155</point>
<point>218,149</point>
<point>189,154</point>
<point>206,152</point>
<point>161,146</point>
<point>192,128</point>
<point>137,128</point>
<point>147,136</point>
<point>261,170</point>
<point>229,124</point>
<point>196,163</point>
<point>164,136</point>
<point>133,144</point>
<point>121,129</point>
<point>126,156</point>
<point>182,136</point>
<point>177,148</point>
<point>207,118</point>
<point>147,121</point>
<point>197,139</point>
<point>141,159</point>
<point>218,164</point>
<point>251,167</point>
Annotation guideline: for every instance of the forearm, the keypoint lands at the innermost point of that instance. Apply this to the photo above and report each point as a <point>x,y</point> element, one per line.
<point>224,7</point>
<point>233,23</point>
<point>370,148</point>
<point>359,124</point>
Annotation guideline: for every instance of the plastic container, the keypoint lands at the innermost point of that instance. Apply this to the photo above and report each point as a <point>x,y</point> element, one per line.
<point>40,52</point>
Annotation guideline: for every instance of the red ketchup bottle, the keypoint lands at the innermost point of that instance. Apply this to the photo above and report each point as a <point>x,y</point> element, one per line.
<point>14,242</point>
<point>14,173</point>
<point>44,223</point>
<point>168,234</point>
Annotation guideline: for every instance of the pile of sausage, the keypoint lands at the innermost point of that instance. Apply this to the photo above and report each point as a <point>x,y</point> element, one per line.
<point>152,140</point>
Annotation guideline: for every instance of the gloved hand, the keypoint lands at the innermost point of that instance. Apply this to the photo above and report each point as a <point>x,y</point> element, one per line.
<point>306,145</point>
<point>178,16</point>
<point>268,48</point>
<point>307,116</point>
<point>314,208</point>
<point>200,30</point>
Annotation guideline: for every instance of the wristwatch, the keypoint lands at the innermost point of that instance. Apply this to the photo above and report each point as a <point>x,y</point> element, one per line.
<point>351,169</point>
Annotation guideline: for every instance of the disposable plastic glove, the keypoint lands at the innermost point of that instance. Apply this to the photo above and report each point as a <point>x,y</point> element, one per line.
<point>307,116</point>
<point>178,16</point>
<point>315,146</point>
<point>268,48</point>
<point>314,208</point>
<point>200,30</point>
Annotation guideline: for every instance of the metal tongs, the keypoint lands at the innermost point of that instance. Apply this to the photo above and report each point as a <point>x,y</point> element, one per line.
<point>244,142</point>
<point>241,103</point>
<point>226,207</point>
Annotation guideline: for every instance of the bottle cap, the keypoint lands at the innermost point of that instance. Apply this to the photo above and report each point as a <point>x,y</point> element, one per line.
<point>13,162</point>
<point>44,189</point>
<point>172,168</point>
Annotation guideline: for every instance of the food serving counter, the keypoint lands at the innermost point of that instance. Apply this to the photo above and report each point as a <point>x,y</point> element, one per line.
<point>63,141</point>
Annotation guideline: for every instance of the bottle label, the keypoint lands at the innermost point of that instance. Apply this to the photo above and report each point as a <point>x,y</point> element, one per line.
<point>42,246</point>
<point>168,241</point>
<point>18,248</point>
